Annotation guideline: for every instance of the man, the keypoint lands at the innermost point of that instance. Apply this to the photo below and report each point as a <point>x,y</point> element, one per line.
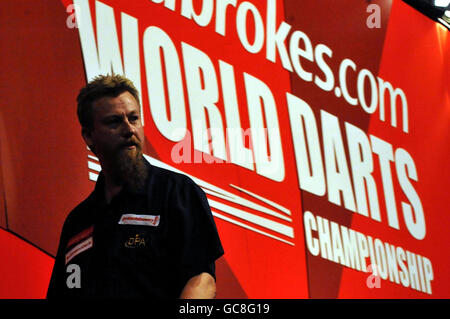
<point>143,231</point>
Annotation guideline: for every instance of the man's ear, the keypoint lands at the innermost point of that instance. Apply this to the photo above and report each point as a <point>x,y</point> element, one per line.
<point>87,137</point>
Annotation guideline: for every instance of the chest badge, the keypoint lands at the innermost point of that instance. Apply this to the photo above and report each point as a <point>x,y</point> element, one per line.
<point>136,241</point>
<point>143,220</point>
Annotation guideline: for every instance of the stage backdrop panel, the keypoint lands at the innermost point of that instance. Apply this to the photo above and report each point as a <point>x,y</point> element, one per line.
<point>318,132</point>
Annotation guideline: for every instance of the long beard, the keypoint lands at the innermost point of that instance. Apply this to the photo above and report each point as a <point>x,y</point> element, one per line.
<point>131,170</point>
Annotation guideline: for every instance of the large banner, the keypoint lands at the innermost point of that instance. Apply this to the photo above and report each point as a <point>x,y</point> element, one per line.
<point>318,130</point>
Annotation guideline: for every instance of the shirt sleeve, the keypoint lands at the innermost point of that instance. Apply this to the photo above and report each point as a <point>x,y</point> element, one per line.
<point>197,243</point>
<point>56,288</point>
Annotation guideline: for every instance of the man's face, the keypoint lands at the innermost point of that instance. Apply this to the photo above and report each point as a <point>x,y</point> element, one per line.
<point>117,132</point>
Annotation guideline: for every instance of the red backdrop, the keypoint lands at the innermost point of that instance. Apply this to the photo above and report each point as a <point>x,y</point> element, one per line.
<point>283,237</point>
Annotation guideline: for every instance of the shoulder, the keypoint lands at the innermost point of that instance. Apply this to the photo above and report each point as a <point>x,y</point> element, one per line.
<point>80,209</point>
<point>78,216</point>
<point>173,179</point>
<point>181,190</point>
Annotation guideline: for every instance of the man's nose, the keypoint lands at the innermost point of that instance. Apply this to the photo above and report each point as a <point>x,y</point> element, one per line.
<point>128,129</point>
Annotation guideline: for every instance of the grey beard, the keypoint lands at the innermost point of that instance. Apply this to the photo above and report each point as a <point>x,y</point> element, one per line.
<point>131,171</point>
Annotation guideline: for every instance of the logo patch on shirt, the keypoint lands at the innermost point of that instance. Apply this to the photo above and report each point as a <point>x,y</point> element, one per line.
<point>133,219</point>
<point>83,246</point>
<point>135,242</point>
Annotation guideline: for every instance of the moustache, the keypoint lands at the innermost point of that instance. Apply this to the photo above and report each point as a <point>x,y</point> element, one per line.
<point>131,142</point>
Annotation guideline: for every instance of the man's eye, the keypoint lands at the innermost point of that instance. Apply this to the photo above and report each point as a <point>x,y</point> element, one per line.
<point>114,121</point>
<point>133,118</point>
